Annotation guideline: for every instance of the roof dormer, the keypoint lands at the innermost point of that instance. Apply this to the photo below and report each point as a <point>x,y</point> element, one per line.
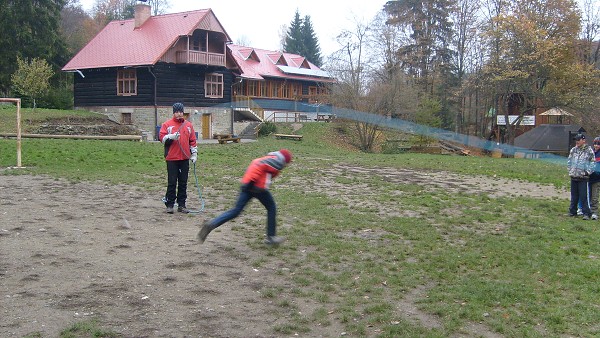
<point>302,63</point>
<point>277,58</point>
<point>249,54</point>
<point>282,61</point>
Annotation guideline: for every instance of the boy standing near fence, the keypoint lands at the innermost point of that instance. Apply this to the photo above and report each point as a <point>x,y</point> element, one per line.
<point>580,164</point>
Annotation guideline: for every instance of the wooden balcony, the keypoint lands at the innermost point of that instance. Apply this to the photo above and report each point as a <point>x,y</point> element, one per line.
<point>200,58</point>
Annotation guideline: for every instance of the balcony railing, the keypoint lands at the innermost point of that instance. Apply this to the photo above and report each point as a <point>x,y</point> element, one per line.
<point>202,58</point>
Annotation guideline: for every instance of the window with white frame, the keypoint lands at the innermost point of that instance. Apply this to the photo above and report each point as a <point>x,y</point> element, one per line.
<point>126,82</point>
<point>213,85</point>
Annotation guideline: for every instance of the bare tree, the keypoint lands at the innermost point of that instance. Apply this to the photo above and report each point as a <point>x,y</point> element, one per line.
<point>351,93</point>
<point>159,6</point>
<point>348,65</point>
<point>243,40</point>
<point>590,32</point>
<point>282,34</point>
<point>466,26</point>
<point>105,11</point>
<point>385,70</point>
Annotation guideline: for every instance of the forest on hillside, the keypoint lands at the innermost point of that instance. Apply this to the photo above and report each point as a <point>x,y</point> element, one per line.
<point>450,64</point>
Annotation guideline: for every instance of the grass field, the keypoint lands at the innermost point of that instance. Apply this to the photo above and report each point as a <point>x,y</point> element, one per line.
<point>514,266</point>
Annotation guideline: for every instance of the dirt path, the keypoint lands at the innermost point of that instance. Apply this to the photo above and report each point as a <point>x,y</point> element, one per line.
<point>72,251</point>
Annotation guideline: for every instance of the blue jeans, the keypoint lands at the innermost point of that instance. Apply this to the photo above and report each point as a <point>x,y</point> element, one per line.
<point>264,196</point>
<point>579,195</point>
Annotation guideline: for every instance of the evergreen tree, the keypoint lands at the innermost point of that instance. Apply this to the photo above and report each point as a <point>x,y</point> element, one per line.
<point>312,51</point>
<point>301,39</point>
<point>427,55</point>
<point>29,29</point>
<point>293,41</point>
<point>428,35</point>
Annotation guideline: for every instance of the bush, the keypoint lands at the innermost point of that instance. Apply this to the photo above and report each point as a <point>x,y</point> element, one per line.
<point>267,129</point>
<point>394,147</point>
<point>57,98</point>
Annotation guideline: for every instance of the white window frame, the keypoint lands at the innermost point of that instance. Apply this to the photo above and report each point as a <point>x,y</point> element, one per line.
<point>213,85</point>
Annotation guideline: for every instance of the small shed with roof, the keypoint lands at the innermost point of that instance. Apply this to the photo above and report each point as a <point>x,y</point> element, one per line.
<point>555,115</point>
<point>550,138</point>
<point>554,133</point>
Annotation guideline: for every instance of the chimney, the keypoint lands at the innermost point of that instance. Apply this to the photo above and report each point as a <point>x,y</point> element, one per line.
<point>142,13</point>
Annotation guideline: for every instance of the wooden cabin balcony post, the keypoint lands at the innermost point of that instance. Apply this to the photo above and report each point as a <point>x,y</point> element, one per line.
<point>187,57</point>
<point>206,42</point>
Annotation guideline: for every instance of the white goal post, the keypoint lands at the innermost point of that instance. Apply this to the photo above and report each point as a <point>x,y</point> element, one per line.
<point>18,102</point>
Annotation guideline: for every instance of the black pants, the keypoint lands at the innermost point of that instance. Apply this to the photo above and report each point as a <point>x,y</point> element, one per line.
<point>177,178</point>
<point>580,195</point>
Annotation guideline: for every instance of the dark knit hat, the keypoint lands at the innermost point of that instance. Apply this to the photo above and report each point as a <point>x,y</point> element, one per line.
<point>178,106</point>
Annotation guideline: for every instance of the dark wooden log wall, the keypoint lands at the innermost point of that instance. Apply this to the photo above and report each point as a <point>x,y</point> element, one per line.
<point>185,83</point>
<point>175,83</point>
<point>99,88</point>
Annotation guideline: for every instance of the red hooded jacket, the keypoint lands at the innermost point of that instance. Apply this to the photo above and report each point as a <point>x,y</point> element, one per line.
<point>262,170</point>
<point>179,149</point>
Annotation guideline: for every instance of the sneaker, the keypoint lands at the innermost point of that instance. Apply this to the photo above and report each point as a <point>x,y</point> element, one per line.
<point>170,210</point>
<point>571,215</point>
<point>594,217</point>
<point>274,240</point>
<point>206,229</point>
<point>579,212</point>
<point>585,217</point>
<point>183,210</point>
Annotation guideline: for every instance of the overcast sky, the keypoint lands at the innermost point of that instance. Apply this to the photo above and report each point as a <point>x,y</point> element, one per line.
<point>259,22</point>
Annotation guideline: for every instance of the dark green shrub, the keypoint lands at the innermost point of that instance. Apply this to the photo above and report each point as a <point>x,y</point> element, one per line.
<point>57,98</point>
<point>394,147</point>
<point>267,128</point>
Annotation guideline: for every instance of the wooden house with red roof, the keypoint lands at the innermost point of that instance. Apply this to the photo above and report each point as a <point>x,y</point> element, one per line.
<point>134,70</point>
<point>277,85</point>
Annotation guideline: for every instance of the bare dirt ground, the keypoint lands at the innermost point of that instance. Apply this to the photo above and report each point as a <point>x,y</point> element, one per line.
<point>74,251</point>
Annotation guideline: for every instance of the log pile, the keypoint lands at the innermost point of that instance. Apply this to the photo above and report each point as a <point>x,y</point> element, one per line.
<point>452,148</point>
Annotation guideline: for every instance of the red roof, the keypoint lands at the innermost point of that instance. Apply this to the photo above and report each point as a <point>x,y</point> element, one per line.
<point>257,64</point>
<point>120,44</point>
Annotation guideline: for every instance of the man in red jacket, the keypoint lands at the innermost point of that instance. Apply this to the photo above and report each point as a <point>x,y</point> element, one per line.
<point>255,184</point>
<point>179,139</point>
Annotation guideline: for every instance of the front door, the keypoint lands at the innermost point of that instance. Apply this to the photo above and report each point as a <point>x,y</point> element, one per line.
<point>206,126</point>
